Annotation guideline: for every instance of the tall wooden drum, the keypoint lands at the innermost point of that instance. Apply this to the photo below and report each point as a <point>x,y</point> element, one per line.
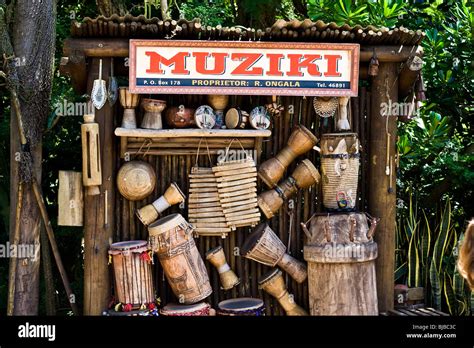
<point>341,265</point>
<point>132,273</point>
<point>171,239</point>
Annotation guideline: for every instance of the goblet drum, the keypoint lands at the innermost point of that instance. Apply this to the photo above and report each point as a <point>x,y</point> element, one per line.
<point>152,118</point>
<point>304,176</point>
<point>129,102</point>
<point>263,246</point>
<point>273,283</point>
<point>227,276</point>
<point>149,213</point>
<point>300,141</point>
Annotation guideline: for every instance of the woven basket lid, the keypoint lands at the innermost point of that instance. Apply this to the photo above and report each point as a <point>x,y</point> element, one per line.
<point>165,224</point>
<point>136,180</point>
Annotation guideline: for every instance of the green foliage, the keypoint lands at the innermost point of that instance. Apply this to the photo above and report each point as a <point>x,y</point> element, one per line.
<point>378,13</point>
<point>421,263</point>
<point>211,12</point>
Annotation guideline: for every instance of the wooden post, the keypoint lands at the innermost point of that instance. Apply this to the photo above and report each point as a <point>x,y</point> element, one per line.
<point>98,232</point>
<point>382,204</point>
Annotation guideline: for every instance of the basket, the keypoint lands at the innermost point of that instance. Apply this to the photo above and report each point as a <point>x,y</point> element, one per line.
<point>340,170</point>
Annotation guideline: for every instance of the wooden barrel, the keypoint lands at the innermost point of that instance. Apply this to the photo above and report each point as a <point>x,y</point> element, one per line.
<point>341,265</point>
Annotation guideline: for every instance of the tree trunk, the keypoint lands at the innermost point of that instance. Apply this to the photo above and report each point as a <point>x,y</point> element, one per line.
<point>109,7</point>
<point>33,39</point>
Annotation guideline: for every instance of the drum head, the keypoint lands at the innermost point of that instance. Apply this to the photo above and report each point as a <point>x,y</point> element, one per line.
<point>232,118</point>
<point>243,304</point>
<point>253,238</point>
<point>213,251</point>
<point>269,275</point>
<point>128,245</point>
<point>177,309</point>
<point>165,224</point>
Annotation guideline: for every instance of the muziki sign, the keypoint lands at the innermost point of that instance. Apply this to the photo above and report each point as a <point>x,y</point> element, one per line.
<point>236,67</point>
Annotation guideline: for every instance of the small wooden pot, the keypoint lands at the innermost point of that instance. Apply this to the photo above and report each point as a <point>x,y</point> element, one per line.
<point>272,282</point>
<point>149,213</point>
<point>136,180</point>
<point>152,117</point>
<point>227,276</point>
<point>177,117</point>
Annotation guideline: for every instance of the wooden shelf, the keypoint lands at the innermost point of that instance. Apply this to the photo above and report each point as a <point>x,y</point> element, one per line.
<point>171,142</point>
<point>192,133</point>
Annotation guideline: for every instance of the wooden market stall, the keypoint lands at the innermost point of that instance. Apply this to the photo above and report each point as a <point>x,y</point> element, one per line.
<point>388,72</point>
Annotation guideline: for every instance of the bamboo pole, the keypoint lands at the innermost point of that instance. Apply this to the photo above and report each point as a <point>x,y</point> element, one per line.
<point>14,261</point>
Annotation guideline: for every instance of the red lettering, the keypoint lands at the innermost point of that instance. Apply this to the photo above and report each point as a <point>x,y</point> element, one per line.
<point>178,60</point>
<point>296,64</point>
<point>219,63</point>
<point>332,60</point>
<point>248,60</point>
<point>274,64</point>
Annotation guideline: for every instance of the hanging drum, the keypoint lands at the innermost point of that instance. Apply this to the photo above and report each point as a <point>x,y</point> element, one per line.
<point>227,276</point>
<point>340,170</point>
<point>243,306</point>
<point>136,180</point>
<point>273,283</point>
<point>263,246</point>
<point>151,212</point>
<point>171,239</point>
<point>300,141</point>
<point>304,176</point>
<point>341,254</point>
<point>132,273</point>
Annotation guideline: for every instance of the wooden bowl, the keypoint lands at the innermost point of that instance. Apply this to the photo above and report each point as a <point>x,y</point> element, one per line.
<point>136,180</point>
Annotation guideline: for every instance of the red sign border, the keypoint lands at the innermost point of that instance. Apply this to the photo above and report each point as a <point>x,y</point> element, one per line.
<point>354,48</point>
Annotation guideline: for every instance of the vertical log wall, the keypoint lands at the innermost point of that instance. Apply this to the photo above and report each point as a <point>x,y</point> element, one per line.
<point>286,224</point>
